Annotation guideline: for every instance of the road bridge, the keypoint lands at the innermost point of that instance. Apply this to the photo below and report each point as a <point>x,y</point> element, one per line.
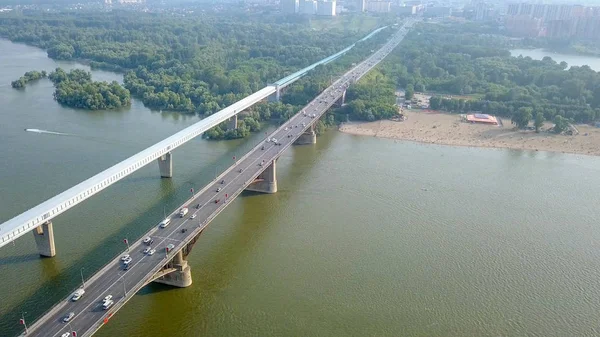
<point>256,171</point>
<point>39,218</point>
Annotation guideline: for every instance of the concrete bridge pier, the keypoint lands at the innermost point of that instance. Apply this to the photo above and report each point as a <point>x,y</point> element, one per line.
<point>275,97</point>
<point>308,137</point>
<point>165,165</point>
<point>232,124</point>
<point>44,239</point>
<point>266,182</point>
<point>342,99</point>
<point>181,277</point>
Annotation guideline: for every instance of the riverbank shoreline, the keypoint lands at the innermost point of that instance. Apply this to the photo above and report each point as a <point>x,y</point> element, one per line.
<point>447,129</point>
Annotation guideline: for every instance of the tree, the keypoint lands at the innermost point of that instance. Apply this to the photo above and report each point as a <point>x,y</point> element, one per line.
<point>409,92</point>
<point>539,121</point>
<point>560,124</point>
<point>521,117</point>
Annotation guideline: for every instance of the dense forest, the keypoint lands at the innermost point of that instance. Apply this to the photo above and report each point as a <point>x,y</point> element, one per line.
<point>28,77</point>
<point>452,60</point>
<point>76,89</point>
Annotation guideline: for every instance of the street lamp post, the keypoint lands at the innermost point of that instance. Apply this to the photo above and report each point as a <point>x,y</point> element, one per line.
<point>73,332</point>
<point>82,279</point>
<point>23,320</point>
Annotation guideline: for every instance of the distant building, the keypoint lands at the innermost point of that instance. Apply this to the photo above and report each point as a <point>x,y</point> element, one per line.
<point>289,6</point>
<point>379,6</point>
<point>438,12</point>
<point>523,25</point>
<point>307,7</point>
<point>362,5</point>
<point>406,10</point>
<point>484,12</point>
<point>326,8</point>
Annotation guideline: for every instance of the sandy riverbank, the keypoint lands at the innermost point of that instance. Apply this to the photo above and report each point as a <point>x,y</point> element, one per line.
<point>439,128</point>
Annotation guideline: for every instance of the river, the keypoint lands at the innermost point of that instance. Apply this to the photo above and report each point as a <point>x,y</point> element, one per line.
<point>571,59</point>
<point>366,236</point>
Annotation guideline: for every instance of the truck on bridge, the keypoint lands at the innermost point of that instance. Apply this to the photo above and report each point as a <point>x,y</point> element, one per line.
<point>183,212</point>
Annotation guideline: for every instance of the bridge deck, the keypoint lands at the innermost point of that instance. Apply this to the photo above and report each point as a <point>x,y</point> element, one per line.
<point>122,285</point>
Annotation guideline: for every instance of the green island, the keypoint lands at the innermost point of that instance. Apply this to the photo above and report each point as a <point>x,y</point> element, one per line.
<point>77,90</point>
<point>28,77</point>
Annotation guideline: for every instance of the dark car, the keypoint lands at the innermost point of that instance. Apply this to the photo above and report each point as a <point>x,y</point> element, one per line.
<point>222,182</point>
<point>217,201</point>
<point>197,206</point>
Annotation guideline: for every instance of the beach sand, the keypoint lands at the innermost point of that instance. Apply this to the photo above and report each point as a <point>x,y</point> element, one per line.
<point>447,129</point>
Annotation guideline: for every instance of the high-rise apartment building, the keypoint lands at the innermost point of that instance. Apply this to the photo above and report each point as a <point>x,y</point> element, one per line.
<point>289,6</point>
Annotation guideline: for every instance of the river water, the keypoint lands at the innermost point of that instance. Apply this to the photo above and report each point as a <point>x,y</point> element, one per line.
<point>366,236</point>
<point>571,59</point>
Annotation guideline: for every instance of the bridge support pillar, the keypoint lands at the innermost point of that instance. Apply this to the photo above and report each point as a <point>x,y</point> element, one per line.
<point>165,165</point>
<point>44,239</point>
<point>232,124</point>
<point>308,137</point>
<point>266,182</point>
<point>181,277</point>
<point>275,97</point>
<point>342,99</point>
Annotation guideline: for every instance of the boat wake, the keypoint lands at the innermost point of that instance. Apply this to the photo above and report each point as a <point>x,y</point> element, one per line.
<point>48,132</point>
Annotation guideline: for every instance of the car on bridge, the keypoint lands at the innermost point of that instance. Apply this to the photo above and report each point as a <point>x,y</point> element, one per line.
<point>148,241</point>
<point>219,189</point>
<point>151,252</point>
<point>170,246</point>
<point>77,295</point>
<point>147,250</point>
<point>165,223</point>
<point>68,317</point>
<point>107,304</point>
<point>66,334</point>
<point>125,257</point>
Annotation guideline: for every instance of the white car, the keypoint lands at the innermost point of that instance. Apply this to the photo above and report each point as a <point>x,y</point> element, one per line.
<point>68,317</point>
<point>147,250</point>
<point>170,246</point>
<point>66,334</point>
<point>107,298</point>
<point>77,295</point>
<point>125,257</point>
<point>107,304</point>
<point>193,216</point>
<point>152,251</point>
<point>128,261</point>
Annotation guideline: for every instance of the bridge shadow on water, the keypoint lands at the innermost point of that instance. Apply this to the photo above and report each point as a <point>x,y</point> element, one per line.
<point>6,260</point>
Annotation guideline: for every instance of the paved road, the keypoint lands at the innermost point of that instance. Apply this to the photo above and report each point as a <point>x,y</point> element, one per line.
<point>122,284</point>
